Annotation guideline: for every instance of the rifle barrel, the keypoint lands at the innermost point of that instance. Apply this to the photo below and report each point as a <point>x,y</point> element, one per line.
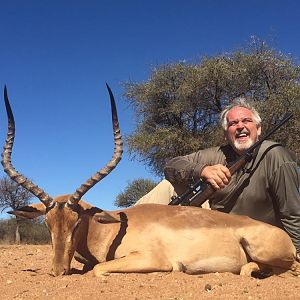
<point>286,117</point>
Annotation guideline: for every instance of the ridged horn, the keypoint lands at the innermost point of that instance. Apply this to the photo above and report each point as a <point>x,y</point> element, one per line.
<point>118,150</point>
<point>6,159</point>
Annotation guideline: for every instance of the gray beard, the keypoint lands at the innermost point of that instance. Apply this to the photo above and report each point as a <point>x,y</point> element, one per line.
<point>243,146</point>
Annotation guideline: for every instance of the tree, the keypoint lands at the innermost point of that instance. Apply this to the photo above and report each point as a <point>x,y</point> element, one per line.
<point>134,191</point>
<point>13,196</point>
<point>178,107</point>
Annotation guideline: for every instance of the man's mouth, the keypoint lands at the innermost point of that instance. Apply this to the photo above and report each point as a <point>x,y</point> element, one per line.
<point>241,136</point>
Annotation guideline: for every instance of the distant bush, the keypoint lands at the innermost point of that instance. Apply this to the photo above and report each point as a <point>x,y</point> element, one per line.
<point>134,191</point>
<point>31,231</point>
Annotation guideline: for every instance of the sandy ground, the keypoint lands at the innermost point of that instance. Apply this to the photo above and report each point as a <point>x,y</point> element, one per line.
<point>24,274</point>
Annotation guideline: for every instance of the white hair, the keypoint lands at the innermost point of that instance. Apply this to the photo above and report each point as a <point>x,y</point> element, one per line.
<point>239,102</point>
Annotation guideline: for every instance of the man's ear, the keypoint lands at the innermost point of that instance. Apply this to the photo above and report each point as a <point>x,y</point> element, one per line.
<point>259,130</point>
<point>105,218</point>
<point>29,211</point>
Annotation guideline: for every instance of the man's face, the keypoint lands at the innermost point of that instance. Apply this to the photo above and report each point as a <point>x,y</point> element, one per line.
<point>242,131</point>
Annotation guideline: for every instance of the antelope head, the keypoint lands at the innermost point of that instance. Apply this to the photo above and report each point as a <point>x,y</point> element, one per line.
<point>64,215</point>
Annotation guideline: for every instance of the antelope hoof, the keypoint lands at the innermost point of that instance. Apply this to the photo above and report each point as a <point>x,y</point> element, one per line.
<point>247,269</point>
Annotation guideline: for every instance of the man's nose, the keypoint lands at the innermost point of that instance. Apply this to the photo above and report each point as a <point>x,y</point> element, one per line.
<point>240,125</point>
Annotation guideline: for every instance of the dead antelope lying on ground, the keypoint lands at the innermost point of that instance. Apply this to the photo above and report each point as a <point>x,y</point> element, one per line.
<point>150,237</point>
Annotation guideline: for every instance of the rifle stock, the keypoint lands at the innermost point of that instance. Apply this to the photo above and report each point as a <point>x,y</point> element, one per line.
<point>196,196</point>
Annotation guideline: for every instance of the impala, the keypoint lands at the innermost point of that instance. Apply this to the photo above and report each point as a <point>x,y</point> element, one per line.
<point>149,237</point>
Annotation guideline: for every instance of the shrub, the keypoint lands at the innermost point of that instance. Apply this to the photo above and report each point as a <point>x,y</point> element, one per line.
<point>31,231</point>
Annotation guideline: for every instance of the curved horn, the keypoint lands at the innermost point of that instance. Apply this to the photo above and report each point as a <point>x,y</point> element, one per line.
<point>118,150</point>
<point>6,159</point>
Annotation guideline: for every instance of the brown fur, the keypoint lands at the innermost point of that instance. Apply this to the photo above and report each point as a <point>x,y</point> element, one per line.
<point>153,237</point>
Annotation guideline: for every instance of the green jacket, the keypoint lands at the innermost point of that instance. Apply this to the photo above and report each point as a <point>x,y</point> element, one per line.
<point>266,189</point>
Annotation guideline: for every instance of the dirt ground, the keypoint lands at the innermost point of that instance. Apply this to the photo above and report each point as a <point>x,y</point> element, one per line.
<point>25,274</point>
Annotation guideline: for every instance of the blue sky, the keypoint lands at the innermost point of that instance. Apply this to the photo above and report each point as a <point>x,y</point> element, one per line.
<point>56,56</point>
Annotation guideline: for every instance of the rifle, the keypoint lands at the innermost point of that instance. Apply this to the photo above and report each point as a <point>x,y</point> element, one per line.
<point>199,192</point>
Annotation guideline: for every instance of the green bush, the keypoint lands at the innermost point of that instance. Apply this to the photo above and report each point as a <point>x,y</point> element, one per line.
<point>31,231</point>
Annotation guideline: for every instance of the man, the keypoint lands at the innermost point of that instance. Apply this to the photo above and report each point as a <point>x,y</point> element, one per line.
<point>266,189</point>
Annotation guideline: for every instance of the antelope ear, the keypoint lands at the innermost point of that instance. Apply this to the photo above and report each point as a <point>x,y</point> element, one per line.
<point>105,218</point>
<point>29,211</point>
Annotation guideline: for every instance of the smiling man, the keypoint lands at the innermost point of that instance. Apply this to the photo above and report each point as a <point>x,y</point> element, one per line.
<point>241,128</point>
<point>266,189</point>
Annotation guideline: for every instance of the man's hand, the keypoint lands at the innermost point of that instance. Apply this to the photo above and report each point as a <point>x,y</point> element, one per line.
<point>217,175</point>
